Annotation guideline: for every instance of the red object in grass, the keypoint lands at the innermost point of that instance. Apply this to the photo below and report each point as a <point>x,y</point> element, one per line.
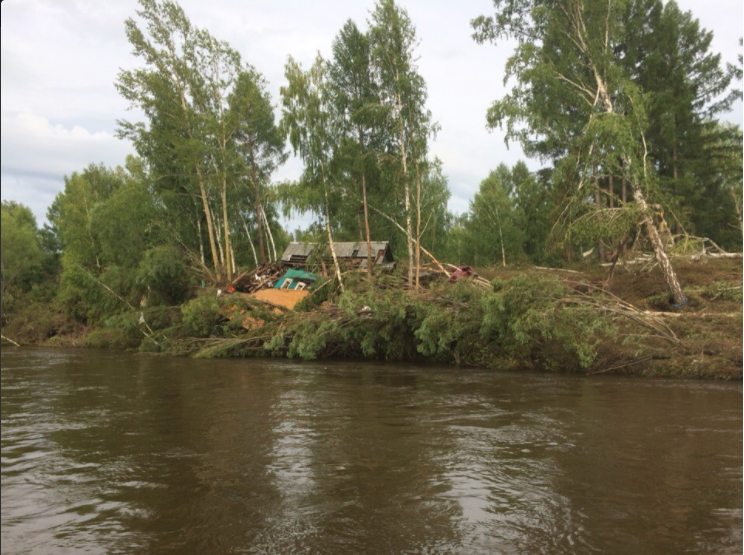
<point>463,272</point>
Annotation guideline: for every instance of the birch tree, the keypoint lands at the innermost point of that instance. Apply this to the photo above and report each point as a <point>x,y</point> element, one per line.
<point>188,89</point>
<point>354,99</point>
<point>259,144</point>
<point>402,94</point>
<point>493,223</point>
<point>573,101</point>
<point>306,121</point>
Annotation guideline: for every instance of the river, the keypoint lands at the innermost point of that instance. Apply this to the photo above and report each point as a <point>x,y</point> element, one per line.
<point>119,453</point>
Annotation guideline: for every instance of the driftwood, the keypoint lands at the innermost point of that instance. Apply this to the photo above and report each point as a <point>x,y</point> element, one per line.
<point>613,304</point>
<point>9,340</point>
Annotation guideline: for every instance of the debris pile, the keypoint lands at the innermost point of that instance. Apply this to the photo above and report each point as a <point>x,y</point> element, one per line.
<point>261,277</point>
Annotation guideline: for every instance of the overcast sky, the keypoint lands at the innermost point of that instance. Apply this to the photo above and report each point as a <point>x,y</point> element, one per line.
<point>61,58</point>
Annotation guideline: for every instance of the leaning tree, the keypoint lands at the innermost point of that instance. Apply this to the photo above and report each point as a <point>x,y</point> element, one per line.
<point>574,102</point>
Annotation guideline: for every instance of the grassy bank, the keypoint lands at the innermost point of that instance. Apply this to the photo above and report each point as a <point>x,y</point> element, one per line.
<point>527,319</point>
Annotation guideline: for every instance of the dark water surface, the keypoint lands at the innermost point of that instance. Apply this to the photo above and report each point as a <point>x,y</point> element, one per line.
<point>115,453</point>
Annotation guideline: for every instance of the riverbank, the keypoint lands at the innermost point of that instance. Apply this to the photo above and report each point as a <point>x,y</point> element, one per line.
<point>527,319</point>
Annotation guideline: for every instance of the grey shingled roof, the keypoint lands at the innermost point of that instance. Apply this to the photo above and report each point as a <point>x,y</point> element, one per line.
<point>343,249</point>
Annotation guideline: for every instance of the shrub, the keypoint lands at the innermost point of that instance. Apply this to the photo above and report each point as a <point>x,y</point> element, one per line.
<point>202,315</point>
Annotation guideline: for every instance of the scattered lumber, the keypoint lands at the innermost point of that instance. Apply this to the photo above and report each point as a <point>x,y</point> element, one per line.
<point>261,277</point>
<point>642,259</point>
<point>702,255</point>
<point>544,268</point>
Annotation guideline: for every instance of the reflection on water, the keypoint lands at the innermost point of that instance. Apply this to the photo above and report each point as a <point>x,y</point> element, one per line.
<point>112,453</point>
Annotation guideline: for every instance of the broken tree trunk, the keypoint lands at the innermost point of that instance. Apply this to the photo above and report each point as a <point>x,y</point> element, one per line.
<point>229,267</point>
<point>675,289</point>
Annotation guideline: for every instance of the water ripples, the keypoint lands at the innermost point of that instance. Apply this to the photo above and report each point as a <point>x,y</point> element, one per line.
<point>110,453</point>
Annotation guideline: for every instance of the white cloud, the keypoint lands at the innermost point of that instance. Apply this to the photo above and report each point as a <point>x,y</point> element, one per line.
<point>37,154</point>
<point>31,143</point>
<point>59,62</point>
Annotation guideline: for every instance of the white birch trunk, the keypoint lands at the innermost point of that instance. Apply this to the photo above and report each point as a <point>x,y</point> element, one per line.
<point>268,232</point>
<point>661,256</point>
<point>328,230</point>
<point>201,241</point>
<point>406,189</point>
<point>250,242</point>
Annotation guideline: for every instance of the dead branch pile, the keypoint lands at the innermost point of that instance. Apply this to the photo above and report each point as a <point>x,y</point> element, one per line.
<point>685,246</point>
<point>261,277</point>
<point>604,301</point>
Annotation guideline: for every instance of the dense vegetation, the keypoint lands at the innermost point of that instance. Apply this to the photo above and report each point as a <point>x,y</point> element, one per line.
<point>619,101</point>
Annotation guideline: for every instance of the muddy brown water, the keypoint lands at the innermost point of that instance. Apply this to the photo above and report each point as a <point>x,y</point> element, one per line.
<point>118,453</point>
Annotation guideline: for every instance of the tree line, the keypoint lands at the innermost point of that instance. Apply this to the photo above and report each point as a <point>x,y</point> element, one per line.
<point>618,101</point>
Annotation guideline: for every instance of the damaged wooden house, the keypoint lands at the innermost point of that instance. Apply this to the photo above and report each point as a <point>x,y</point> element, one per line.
<point>289,281</point>
<point>350,255</point>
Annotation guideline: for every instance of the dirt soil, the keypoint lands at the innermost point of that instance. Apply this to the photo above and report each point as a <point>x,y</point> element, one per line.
<point>709,325</point>
<point>287,298</point>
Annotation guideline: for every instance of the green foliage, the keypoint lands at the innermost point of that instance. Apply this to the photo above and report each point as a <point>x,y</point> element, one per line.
<point>533,319</point>
<point>449,331</point>
<point>512,207</point>
<point>722,290</point>
<point>22,255</point>
<point>208,136</point>
<point>162,272</point>
<point>360,124</point>
<point>526,321</point>
<point>124,225</point>
<point>118,253</point>
<point>306,122</point>
<point>320,293</point>
<point>202,315</point>
<point>38,322</point>
<point>494,224</point>
<point>522,321</point>
<point>382,324</point>
<point>591,224</point>
<point>115,337</point>
<point>620,93</point>
<point>669,56</point>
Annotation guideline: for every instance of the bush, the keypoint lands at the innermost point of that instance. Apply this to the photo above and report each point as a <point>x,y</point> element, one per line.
<point>111,338</point>
<point>36,323</point>
<point>202,315</point>
<point>162,273</point>
<point>524,321</point>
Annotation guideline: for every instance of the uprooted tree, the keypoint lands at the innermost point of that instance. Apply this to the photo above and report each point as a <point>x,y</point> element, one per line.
<point>574,103</point>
